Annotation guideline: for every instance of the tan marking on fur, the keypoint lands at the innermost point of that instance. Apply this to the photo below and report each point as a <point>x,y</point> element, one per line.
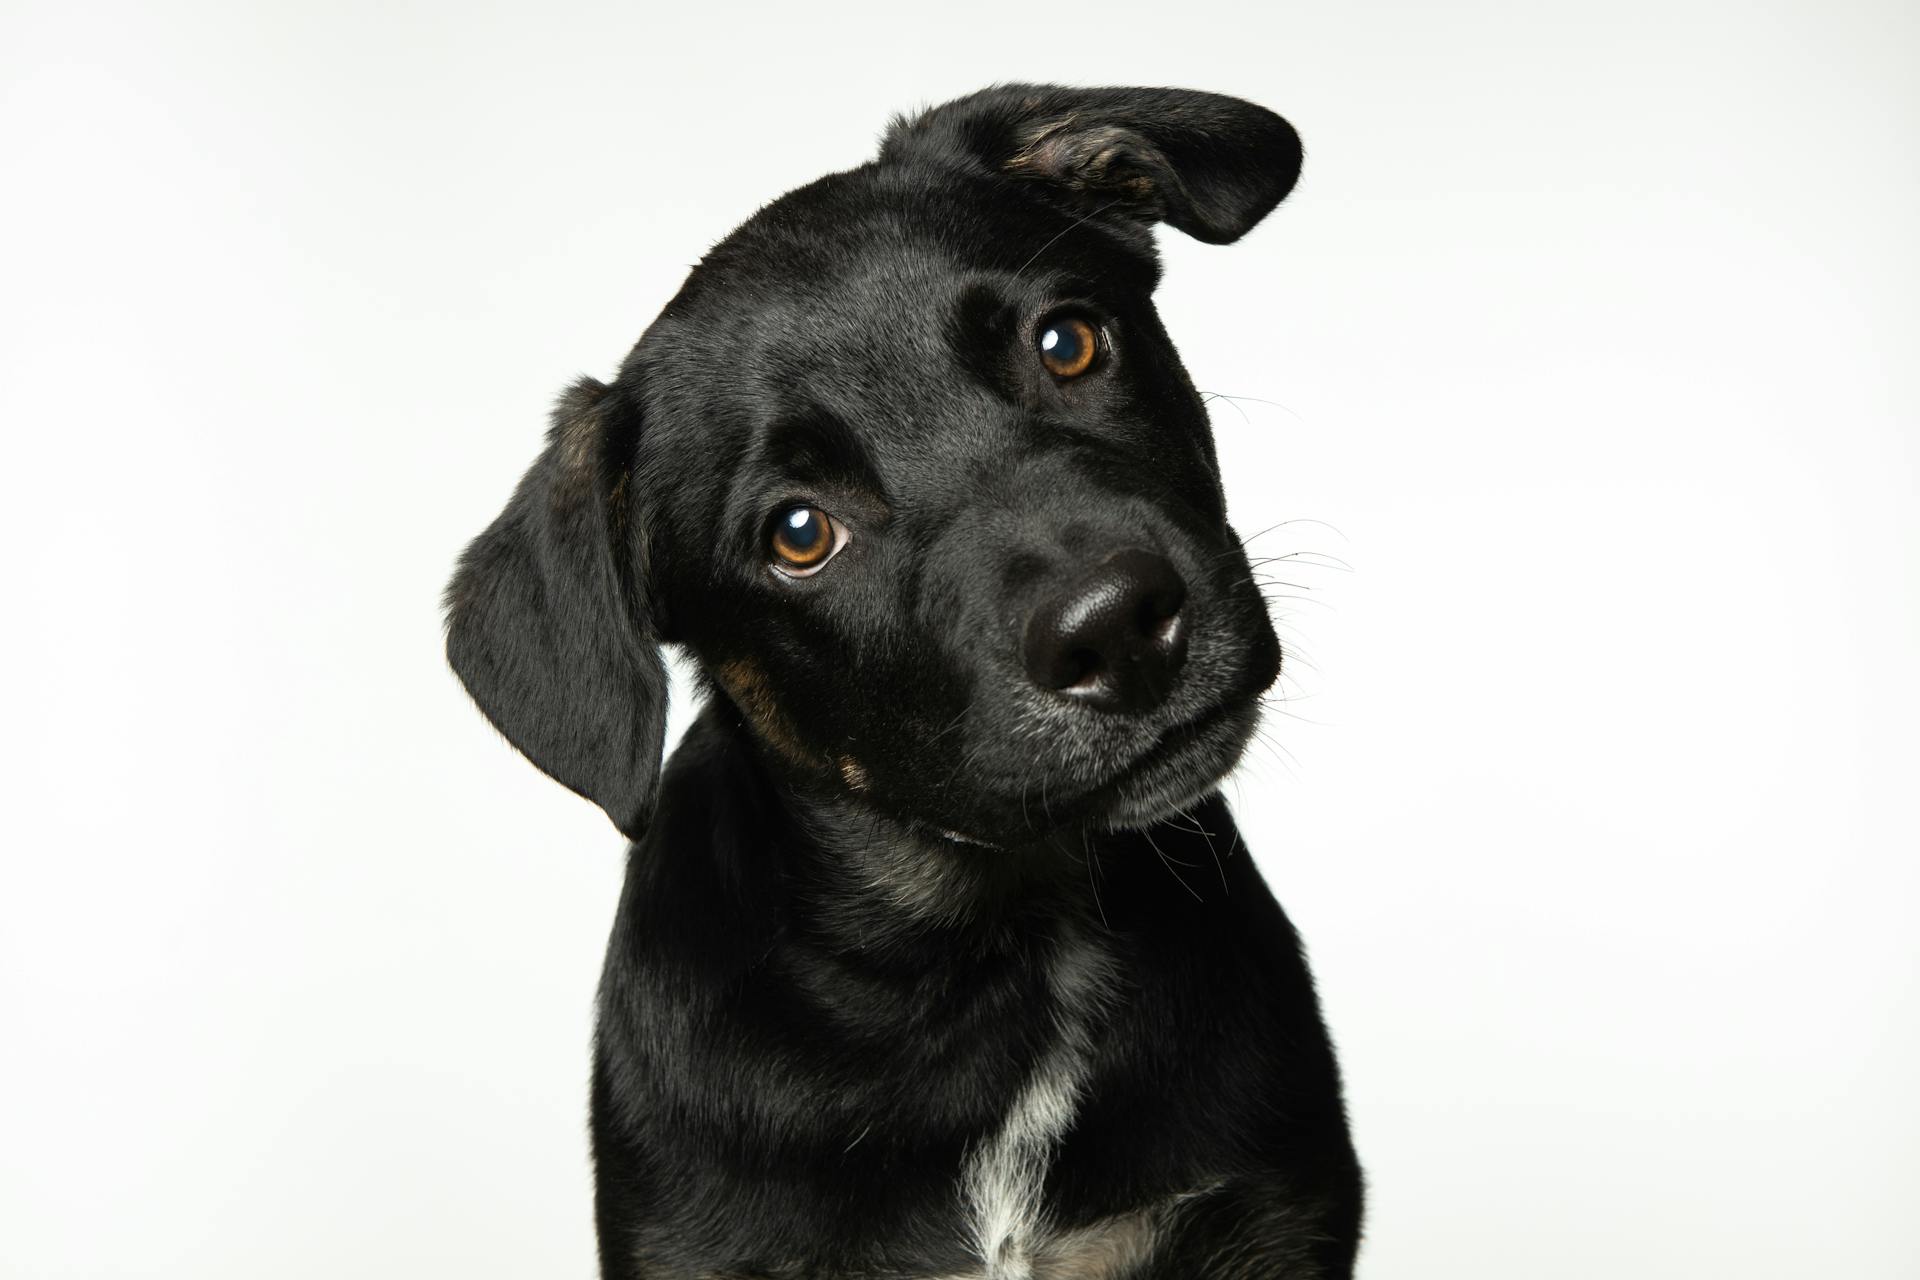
<point>575,439</point>
<point>752,692</point>
<point>1062,151</point>
<point>854,774</point>
<point>1037,149</point>
<point>1111,1249</point>
<point>579,434</point>
<point>617,506</point>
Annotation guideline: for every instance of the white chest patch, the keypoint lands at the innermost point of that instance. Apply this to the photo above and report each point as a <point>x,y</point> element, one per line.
<point>1004,1176</point>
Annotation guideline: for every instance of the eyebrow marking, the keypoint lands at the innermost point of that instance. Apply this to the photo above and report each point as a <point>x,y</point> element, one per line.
<point>752,692</point>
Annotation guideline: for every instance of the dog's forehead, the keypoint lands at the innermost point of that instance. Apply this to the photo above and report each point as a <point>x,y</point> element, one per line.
<point>860,282</point>
<point>873,299</point>
<point>882,302</point>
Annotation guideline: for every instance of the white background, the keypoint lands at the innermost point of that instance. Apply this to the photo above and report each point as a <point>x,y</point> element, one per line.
<point>1590,334</point>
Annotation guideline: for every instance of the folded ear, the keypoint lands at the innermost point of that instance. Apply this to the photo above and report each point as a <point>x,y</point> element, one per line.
<point>547,624</point>
<point>1209,165</point>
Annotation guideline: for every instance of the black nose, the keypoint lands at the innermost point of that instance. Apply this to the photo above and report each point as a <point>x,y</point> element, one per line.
<point>1114,638</point>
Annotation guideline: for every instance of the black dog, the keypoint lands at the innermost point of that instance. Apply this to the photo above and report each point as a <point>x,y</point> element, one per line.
<point>908,979</point>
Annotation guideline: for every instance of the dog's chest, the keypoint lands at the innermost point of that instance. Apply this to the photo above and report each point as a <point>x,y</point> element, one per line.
<point>1003,1182</point>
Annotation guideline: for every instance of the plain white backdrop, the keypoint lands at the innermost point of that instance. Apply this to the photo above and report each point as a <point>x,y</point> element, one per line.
<point>1590,336</point>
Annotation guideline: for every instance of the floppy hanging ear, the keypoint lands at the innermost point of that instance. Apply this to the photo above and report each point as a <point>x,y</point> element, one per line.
<point>1209,165</point>
<point>547,625</point>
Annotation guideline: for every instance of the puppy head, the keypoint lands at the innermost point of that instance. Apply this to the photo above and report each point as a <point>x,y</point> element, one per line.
<point>911,467</point>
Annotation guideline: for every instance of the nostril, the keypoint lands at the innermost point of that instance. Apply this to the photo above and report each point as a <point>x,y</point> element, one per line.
<point>1160,611</point>
<point>1075,668</point>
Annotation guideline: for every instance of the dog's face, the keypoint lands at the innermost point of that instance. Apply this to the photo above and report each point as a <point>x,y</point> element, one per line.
<point>911,467</point>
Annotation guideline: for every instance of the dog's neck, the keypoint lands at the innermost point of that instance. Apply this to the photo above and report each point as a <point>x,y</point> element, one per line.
<point>860,881</point>
<point>882,882</point>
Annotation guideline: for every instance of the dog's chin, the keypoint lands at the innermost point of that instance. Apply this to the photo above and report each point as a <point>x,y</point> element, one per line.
<point>1181,767</point>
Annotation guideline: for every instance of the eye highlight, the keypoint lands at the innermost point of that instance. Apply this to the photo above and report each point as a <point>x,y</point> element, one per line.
<point>1068,345</point>
<point>804,538</point>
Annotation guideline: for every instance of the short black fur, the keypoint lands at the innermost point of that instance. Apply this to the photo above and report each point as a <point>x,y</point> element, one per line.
<point>938,955</point>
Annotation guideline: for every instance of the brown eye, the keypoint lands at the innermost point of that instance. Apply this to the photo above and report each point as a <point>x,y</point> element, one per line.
<point>804,539</point>
<point>1068,346</point>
